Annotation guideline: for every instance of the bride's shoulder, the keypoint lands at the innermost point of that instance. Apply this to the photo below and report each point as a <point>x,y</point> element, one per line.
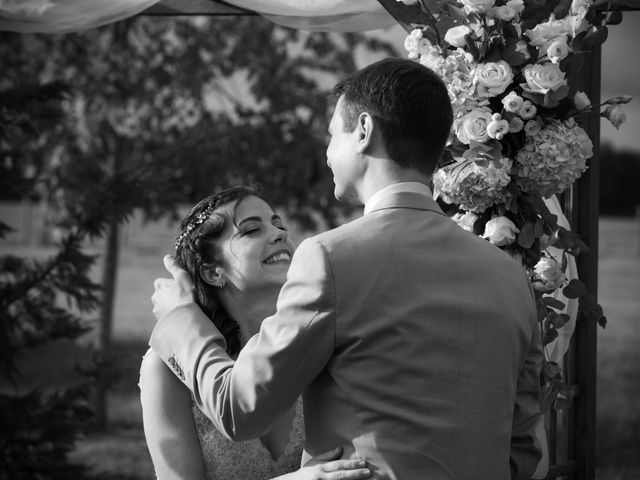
<point>151,363</point>
<point>154,372</point>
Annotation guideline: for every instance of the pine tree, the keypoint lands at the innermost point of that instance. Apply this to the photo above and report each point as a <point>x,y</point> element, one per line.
<point>39,427</point>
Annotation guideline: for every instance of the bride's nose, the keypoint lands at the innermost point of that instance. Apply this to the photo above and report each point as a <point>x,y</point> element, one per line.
<point>279,236</point>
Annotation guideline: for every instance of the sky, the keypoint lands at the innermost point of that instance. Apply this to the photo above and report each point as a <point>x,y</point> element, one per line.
<point>620,76</point>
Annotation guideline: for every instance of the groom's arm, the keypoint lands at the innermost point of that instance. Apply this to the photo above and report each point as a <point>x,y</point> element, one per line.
<point>243,398</point>
<point>526,450</point>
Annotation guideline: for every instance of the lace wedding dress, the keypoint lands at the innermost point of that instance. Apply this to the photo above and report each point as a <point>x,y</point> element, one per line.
<point>227,460</point>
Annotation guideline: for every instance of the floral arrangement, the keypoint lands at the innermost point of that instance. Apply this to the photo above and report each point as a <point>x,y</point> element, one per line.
<point>511,71</point>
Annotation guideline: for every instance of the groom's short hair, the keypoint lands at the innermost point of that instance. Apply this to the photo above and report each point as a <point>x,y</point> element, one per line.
<point>410,105</point>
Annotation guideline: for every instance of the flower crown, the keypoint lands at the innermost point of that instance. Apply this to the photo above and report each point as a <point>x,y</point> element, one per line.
<point>193,224</point>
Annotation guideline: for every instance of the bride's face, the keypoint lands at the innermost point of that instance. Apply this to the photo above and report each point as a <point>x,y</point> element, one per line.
<point>256,251</point>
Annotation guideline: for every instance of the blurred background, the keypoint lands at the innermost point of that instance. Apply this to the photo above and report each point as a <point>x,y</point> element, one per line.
<point>139,120</point>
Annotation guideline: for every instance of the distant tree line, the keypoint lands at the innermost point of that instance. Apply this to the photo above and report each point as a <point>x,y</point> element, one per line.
<point>619,181</point>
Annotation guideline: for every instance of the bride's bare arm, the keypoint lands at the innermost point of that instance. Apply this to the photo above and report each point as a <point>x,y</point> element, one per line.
<point>169,427</point>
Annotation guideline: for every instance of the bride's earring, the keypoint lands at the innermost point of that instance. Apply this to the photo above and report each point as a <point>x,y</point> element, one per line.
<point>220,284</point>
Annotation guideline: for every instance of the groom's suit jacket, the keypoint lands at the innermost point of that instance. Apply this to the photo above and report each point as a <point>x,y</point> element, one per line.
<point>414,343</point>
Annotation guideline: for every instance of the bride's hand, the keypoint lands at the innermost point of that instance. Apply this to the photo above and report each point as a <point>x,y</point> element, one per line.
<point>328,466</point>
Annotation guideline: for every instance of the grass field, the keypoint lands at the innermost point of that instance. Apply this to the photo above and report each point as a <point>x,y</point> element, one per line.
<point>121,450</point>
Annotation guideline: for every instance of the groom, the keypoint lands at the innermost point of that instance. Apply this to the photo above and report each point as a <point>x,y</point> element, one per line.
<point>414,343</point>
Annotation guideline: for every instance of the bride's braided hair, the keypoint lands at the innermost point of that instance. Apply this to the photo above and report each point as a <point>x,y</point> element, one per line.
<point>196,245</point>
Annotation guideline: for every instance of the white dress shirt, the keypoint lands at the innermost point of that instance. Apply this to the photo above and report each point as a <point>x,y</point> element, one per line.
<point>413,187</point>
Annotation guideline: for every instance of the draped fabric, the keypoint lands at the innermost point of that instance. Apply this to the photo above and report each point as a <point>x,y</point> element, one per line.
<point>62,16</point>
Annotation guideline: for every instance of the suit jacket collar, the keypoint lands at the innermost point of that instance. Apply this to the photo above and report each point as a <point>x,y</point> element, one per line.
<point>410,200</point>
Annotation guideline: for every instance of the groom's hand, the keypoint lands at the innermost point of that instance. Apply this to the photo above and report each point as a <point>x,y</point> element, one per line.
<point>170,293</point>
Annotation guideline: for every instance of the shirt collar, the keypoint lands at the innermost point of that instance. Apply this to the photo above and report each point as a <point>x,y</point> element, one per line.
<point>414,187</point>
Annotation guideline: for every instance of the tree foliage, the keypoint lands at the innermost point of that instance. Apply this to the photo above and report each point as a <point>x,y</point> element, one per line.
<point>172,109</point>
<point>619,181</point>
<point>38,428</point>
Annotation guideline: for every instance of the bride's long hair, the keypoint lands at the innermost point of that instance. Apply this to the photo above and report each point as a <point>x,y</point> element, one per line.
<point>197,246</point>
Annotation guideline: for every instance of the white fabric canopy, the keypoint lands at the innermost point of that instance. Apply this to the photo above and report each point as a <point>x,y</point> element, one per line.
<point>62,16</point>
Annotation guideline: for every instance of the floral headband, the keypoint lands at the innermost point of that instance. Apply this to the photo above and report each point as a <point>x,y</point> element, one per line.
<point>195,222</point>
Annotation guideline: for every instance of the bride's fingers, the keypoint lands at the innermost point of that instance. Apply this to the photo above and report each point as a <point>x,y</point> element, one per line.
<point>345,470</point>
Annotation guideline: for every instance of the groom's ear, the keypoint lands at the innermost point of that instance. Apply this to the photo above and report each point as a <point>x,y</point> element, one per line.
<point>211,274</point>
<point>365,128</point>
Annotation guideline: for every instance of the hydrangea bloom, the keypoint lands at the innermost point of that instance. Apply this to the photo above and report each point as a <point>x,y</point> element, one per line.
<point>553,159</point>
<point>474,184</point>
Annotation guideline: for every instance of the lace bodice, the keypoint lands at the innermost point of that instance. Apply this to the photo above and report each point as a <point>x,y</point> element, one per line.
<point>249,460</point>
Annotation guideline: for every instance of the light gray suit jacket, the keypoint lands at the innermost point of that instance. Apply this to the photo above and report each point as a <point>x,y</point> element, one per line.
<point>414,343</point>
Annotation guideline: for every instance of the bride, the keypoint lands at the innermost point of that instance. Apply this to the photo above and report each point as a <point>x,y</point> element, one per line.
<point>236,250</point>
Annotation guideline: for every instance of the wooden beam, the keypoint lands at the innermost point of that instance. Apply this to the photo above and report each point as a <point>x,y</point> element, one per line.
<point>195,7</point>
<point>583,212</point>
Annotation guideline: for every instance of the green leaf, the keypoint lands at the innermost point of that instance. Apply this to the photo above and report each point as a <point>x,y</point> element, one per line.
<point>472,47</point>
<point>457,13</point>
<point>596,37</point>
<point>564,394</point>
<point>513,56</point>
<point>539,228</point>
<point>527,235</point>
<point>552,302</point>
<point>575,289</point>
<point>562,9</point>
<point>614,18</point>
<point>590,308</point>
<point>549,336</point>
<point>558,320</point>
<point>568,240</point>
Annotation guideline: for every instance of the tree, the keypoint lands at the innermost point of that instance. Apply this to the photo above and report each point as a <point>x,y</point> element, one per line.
<point>169,110</point>
<point>38,428</point>
<point>619,185</point>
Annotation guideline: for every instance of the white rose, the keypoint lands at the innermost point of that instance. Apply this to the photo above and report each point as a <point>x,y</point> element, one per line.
<point>615,115</point>
<point>532,128</point>
<point>517,5</point>
<point>465,220</point>
<point>516,124</point>
<point>581,100</point>
<point>505,13</point>
<point>492,78</point>
<point>411,43</point>
<point>455,35</point>
<point>497,128</point>
<point>500,231</point>
<point>548,275</point>
<point>543,78</point>
<point>512,102</point>
<point>558,50</point>
<point>544,33</point>
<point>480,6</point>
<point>527,110</point>
<point>473,126</point>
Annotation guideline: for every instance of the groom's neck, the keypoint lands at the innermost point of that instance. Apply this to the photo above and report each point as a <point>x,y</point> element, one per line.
<point>385,174</point>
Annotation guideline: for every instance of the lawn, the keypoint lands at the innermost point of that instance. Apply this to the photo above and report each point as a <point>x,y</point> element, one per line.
<point>121,449</point>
